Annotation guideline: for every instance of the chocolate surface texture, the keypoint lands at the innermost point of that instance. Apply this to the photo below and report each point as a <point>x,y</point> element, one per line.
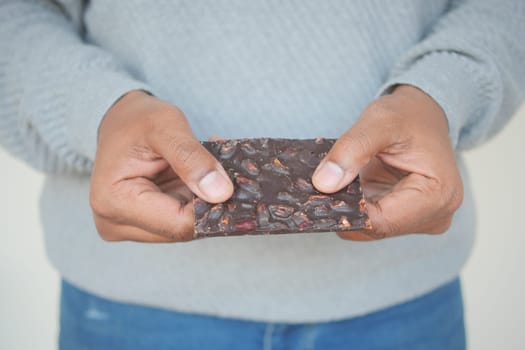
<point>274,193</point>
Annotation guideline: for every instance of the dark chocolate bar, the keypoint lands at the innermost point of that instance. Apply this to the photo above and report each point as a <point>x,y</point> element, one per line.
<point>274,193</point>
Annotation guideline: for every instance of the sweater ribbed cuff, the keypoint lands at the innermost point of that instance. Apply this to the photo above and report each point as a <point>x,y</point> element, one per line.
<point>69,113</point>
<point>455,82</point>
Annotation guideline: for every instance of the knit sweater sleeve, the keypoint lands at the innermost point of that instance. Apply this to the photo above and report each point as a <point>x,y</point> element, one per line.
<point>472,62</point>
<point>54,87</point>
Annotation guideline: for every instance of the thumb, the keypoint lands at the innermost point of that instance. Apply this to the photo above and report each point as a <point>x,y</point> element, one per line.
<point>352,151</point>
<point>190,160</point>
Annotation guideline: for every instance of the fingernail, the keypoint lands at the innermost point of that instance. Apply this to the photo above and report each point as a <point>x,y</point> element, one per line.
<point>214,186</point>
<point>329,175</point>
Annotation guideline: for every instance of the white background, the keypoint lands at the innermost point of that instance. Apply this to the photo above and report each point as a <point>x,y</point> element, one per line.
<point>493,280</point>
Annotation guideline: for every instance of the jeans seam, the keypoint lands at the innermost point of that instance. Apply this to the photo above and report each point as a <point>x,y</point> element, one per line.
<point>267,339</point>
<point>310,337</point>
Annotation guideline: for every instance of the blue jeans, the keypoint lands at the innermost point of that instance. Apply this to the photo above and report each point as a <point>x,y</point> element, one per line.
<point>433,321</point>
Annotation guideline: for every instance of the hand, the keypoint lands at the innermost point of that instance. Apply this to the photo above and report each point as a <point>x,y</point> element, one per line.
<point>409,175</point>
<point>147,165</point>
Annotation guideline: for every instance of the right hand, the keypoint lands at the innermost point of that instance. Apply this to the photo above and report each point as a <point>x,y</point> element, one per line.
<point>147,165</point>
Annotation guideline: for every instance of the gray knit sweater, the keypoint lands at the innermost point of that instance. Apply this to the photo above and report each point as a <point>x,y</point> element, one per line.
<point>248,68</point>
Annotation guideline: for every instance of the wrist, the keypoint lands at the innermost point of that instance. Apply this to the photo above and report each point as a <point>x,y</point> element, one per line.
<point>415,94</point>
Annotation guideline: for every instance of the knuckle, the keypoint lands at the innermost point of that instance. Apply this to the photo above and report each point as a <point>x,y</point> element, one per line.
<point>446,206</point>
<point>96,203</point>
<point>358,141</point>
<point>451,196</point>
<point>182,236</point>
<point>178,231</point>
<point>345,142</point>
<point>385,228</point>
<point>438,191</point>
<point>183,150</point>
<point>184,232</point>
<point>434,187</point>
<point>457,197</point>
<point>110,203</point>
<point>450,205</point>
<point>168,233</point>
<point>391,229</point>
<point>363,141</point>
<point>177,235</point>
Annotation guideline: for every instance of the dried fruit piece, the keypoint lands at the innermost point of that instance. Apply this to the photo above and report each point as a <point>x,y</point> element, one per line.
<point>303,185</point>
<point>248,185</point>
<point>250,167</point>
<point>246,206</point>
<point>242,195</point>
<point>286,197</point>
<point>277,167</point>
<point>321,212</point>
<point>215,212</point>
<point>227,149</point>
<point>353,189</point>
<point>248,149</point>
<point>301,220</point>
<point>247,225</point>
<point>326,224</point>
<point>280,211</point>
<point>362,205</point>
<point>224,223</point>
<point>287,154</point>
<point>263,217</point>
<point>340,207</point>
<point>316,200</point>
<point>344,223</point>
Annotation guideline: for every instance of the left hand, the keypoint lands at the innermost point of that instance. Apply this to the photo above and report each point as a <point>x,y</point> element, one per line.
<point>400,144</point>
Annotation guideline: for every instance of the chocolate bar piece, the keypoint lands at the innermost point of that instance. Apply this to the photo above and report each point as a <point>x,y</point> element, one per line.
<point>274,193</point>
